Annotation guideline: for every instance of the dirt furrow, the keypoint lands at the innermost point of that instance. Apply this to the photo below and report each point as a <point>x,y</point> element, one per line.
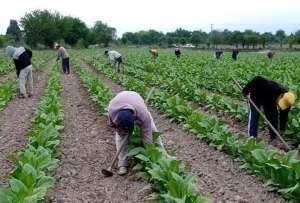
<point>87,146</point>
<point>4,77</point>
<point>218,176</point>
<point>15,121</point>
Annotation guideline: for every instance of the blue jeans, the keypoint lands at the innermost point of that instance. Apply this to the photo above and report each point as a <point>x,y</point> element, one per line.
<point>270,112</point>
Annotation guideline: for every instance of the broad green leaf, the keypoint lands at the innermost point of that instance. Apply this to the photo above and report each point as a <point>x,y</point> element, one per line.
<point>40,192</point>
<point>137,150</point>
<point>7,196</point>
<point>204,200</point>
<point>46,182</point>
<point>290,158</point>
<point>31,199</point>
<point>289,190</point>
<point>17,186</point>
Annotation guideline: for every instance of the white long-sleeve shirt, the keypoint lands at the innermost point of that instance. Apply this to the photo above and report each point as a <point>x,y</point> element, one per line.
<point>113,55</point>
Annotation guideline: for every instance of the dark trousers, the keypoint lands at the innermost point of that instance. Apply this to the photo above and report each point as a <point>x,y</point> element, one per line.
<point>271,113</point>
<point>66,65</point>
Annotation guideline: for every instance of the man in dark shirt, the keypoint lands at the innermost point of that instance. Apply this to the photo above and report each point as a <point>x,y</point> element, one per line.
<point>22,60</point>
<point>235,53</point>
<point>268,94</point>
<point>177,52</point>
<point>218,54</point>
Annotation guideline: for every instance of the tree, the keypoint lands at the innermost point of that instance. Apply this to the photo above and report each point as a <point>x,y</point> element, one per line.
<point>182,40</point>
<point>14,30</point>
<point>41,27</point>
<point>132,37</point>
<point>264,38</point>
<point>2,41</point>
<point>105,32</point>
<point>280,34</point>
<point>235,38</point>
<point>196,39</point>
<point>215,39</point>
<point>124,40</point>
<point>78,30</point>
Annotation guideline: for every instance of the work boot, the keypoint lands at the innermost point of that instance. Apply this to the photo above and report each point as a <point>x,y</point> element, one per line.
<point>21,96</point>
<point>122,170</point>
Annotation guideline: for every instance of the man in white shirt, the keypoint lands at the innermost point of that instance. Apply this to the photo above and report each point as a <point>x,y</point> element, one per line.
<point>116,58</point>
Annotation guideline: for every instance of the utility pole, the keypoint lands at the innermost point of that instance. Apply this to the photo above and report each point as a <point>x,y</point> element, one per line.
<point>211,27</point>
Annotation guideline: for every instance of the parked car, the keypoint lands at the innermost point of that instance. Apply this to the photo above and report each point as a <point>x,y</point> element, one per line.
<point>188,46</point>
<point>172,45</point>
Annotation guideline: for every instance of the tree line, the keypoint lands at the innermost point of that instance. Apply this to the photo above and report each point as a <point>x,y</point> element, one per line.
<point>43,27</point>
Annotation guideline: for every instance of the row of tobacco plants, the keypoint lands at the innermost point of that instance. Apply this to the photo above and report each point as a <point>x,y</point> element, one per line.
<point>29,181</point>
<point>280,171</point>
<point>170,184</point>
<point>215,76</point>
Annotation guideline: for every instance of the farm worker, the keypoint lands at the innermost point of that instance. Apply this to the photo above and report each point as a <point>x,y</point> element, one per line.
<point>116,58</point>
<point>218,54</point>
<point>62,53</point>
<point>270,55</point>
<point>154,53</point>
<point>235,53</point>
<point>124,111</point>
<point>177,52</point>
<point>268,93</point>
<point>22,60</point>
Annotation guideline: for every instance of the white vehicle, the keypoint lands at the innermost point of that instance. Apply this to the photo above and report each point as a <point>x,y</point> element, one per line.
<point>188,46</point>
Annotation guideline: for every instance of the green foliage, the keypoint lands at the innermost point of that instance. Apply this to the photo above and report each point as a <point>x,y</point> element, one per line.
<point>14,30</point>
<point>28,182</point>
<point>41,27</point>
<point>124,40</point>
<point>78,30</point>
<point>2,41</point>
<point>281,171</point>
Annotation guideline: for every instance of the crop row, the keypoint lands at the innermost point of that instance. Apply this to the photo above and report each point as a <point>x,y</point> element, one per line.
<point>29,181</point>
<point>280,171</point>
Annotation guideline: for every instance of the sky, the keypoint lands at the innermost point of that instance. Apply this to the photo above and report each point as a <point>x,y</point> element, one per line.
<point>166,15</point>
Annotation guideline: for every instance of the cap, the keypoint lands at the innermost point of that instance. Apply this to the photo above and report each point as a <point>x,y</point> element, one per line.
<point>126,120</point>
<point>56,45</point>
<point>286,101</point>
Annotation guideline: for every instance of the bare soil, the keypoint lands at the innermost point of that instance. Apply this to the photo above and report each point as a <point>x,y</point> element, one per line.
<point>218,176</point>
<point>88,146</point>
<point>15,121</point>
<point>6,76</point>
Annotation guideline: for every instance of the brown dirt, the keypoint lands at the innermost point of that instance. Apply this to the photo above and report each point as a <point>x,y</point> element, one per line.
<point>87,147</point>
<point>4,77</point>
<point>15,121</point>
<point>218,176</point>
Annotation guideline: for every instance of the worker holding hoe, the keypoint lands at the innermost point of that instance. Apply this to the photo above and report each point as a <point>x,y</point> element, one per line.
<point>235,52</point>
<point>177,52</point>
<point>268,94</point>
<point>116,58</point>
<point>62,53</point>
<point>124,111</point>
<point>154,53</point>
<point>271,54</point>
<point>22,60</point>
<point>218,54</point>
